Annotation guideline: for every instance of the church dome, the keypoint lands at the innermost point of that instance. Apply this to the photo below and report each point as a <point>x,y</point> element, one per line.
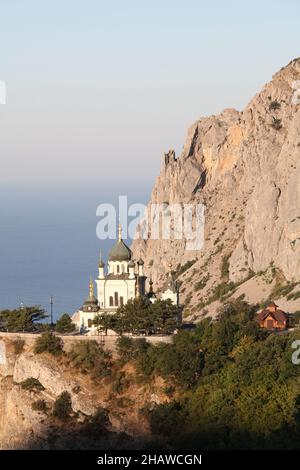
<point>91,303</point>
<point>120,251</point>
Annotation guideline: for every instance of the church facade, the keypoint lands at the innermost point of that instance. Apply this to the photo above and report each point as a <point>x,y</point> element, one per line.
<point>123,280</point>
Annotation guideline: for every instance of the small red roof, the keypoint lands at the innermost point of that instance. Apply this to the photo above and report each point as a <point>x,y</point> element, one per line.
<point>277,314</point>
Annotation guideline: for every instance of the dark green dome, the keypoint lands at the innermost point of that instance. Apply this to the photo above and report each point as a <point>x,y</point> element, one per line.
<point>120,252</point>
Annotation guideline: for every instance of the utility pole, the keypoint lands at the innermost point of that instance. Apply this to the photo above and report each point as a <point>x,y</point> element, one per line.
<point>51,309</point>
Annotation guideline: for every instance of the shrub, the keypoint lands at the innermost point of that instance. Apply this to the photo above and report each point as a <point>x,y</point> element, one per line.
<point>274,105</point>
<point>276,124</point>
<point>97,424</point>
<point>128,348</point>
<point>185,267</point>
<point>222,289</point>
<point>181,361</point>
<point>32,384</point>
<point>294,296</point>
<point>90,357</point>
<point>64,324</point>
<point>50,343</point>
<point>39,405</point>
<point>202,283</point>
<point>18,346</point>
<point>225,266</point>
<point>282,290</point>
<point>63,406</point>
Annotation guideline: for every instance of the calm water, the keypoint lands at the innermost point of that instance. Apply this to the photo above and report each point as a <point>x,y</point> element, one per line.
<point>48,243</point>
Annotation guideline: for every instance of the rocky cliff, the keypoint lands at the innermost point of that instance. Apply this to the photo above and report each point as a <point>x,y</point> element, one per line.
<point>23,426</point>
<point>245,167</point>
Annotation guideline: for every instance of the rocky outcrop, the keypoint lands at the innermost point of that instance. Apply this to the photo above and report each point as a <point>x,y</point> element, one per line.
<point>22,426</point>
<point>245,168</point>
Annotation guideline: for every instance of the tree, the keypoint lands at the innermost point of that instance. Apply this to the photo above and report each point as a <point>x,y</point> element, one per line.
<point>107,321</point>
<point>140,316</point>
<point>90,357</point>
<point>64,324</point>
<point>63,406</point>
<point>50,343</point>
<point>21,319</point>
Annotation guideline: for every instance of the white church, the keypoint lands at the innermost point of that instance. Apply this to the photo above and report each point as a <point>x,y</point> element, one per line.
<point>123,280</point>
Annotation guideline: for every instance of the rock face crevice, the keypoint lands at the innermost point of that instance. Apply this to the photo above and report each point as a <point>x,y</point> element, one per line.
<point>245,167</point>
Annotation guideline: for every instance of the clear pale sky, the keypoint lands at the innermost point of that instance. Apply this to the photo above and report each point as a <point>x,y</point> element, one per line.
<point>99,90</point>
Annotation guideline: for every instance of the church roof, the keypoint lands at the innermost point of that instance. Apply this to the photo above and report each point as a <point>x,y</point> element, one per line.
<point>120,251</point>
<point>278,315</point>
<point>91,303</point>
<point>171,283</point>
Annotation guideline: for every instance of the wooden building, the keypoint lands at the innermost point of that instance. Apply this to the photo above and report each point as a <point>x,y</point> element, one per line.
<point>272,318</point>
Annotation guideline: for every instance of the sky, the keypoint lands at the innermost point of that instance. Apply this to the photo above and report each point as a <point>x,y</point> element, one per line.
<point>98,90</point>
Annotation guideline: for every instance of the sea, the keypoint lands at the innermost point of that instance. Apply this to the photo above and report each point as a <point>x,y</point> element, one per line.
<point>48,240</point>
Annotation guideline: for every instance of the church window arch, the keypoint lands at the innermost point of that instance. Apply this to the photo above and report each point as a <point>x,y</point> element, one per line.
<point>116,299</point>
<point>121,301</point>
<point>111,301</point>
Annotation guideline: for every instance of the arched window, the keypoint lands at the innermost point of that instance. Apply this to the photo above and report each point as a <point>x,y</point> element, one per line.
<point>121,301</point>
<point>116,299</point>
<point>111,301</point>
<point>118,268</point>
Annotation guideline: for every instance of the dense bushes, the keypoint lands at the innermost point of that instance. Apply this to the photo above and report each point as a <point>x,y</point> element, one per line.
<point>90,357</point>
<point>181,361</point>
<point>129,349</point>
<point>50,343</point>
<point>244,396</point>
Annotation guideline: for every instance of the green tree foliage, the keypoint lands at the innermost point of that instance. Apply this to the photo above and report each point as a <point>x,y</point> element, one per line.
<point>106,321</point>
<point>129,348</point>
<point>32,384</point>
<point>182,360</point>
<point>140,316</point>
<point>245,395</point>
<point>64,324</point>
<point>21,319</point>
<point>90,357</point>
<point>63,406</point>
<point>50,343</point>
